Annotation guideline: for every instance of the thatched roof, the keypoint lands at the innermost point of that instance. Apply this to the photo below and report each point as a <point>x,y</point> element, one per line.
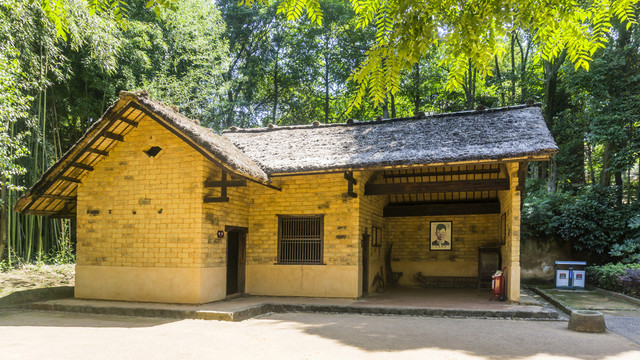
<point>255,154</point>
<point>492,134</point>
<point>55,192</point>
<point>217,145</point>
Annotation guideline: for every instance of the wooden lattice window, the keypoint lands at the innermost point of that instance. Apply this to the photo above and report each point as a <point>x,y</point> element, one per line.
<point>300,239</point>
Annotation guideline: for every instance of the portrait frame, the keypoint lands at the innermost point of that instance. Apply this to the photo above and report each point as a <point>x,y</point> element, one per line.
<point>436,226</point>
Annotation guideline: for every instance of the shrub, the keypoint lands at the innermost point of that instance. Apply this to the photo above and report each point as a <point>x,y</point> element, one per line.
<point>631,282</point>
<point>593,221</point>
<point>598,227</point>
<point>610,277</point>
<point>628,252</point>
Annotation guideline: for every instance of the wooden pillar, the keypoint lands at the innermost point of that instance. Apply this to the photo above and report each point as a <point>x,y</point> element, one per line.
<point>513,240</point>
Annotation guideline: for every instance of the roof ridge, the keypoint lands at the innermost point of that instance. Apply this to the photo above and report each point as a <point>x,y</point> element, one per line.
<point>351,122</point>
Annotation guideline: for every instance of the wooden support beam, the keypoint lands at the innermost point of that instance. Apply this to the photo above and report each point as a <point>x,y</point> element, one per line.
<point>228,183</point>
<point>129,122</point>
<point>73,180</point>
<point>82,166</point>
<point>223,189</point>
<point>215,199</point>
<point>348,175</point>
<point>437,187</point>
<point>436,209</point>
<point>110,135</point>
<point>52,214</point>
<point>99,152</point>
<point>59,197</point>
<point>444,173</point>
<point>222,184</point>
<point>241,229</point>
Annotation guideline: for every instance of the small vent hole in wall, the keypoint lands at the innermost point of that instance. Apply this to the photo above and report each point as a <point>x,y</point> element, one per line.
<point>153,151</point>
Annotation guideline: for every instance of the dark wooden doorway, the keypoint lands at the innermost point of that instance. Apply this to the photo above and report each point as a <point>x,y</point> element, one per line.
<point>365,263</point>
<point>236,259</point>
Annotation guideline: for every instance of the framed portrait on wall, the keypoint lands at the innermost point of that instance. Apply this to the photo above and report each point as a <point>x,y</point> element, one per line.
<point>440,236</point>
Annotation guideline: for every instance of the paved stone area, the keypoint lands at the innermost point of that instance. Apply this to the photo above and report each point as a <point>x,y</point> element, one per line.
<point>401,301</point>
<point>53,335</point>
<point>627,326</point>
<point>621,314</point>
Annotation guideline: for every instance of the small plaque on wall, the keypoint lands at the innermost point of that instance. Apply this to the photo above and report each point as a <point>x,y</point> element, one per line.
<point>220,234</point>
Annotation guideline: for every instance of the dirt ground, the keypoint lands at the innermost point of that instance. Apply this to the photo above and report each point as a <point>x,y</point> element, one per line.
<point>31,276</point>
<point>299,336</point>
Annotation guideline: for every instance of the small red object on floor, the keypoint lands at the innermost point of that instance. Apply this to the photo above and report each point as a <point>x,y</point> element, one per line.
<point>497,285</point>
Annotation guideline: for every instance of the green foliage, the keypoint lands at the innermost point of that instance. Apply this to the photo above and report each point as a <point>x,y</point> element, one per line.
<point>591,220</point>
<point>188,72</point>
<point>70,84</point>
<point>542,214</point>
<point>628,252</point>
<point>14,105</point>
<point>609,277</point>
<point>471,33</point>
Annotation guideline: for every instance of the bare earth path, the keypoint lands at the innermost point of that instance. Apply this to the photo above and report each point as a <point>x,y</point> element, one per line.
<point>298,336</point>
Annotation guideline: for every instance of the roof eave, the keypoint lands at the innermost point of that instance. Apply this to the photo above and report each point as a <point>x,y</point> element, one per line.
<point>544,155</point>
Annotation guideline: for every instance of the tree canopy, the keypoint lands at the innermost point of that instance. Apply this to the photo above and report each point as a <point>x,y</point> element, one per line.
<point>470,31</point>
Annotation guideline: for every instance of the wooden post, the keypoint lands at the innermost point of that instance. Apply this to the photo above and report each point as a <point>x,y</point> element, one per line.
<point>348,175</point>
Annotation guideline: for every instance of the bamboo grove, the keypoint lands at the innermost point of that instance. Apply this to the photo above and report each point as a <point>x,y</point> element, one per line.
<point>62,63</point>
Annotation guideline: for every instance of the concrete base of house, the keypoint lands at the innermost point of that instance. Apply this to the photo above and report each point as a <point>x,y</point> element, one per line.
<point>459,303</point>
<point>303,280</point>
<point>143,284</point>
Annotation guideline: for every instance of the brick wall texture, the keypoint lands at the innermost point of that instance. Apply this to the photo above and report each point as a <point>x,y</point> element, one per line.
<point>140,211</point>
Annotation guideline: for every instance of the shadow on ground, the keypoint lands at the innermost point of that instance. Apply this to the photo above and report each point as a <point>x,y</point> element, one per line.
<point>33,295</point>
<point>20,318</point>
<point>495,339</point>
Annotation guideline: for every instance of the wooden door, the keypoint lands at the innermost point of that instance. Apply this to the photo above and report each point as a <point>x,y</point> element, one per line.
<point>365,263</point>
<point>236,259</point>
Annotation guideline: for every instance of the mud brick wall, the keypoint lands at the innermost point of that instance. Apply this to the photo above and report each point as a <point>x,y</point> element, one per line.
<point>304,195</point>
<point>411,237</point>
<point>140,211</point>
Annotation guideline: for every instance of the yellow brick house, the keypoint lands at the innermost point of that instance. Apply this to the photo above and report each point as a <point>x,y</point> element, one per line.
<point>169,211</point>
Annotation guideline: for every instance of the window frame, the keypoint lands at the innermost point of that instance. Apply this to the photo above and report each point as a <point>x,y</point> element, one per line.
<point>280,243</point>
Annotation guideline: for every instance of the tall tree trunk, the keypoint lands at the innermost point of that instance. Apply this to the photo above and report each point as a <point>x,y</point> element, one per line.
<point>230,109</point>
<point>592,173</point>
<point>524,57</point>
<point>326,88</point>
<point>552,179</point>
<point>551,83</point>
<point>605,175</point>
<point>499,79</point>
<point>513,68</point>
<point>393,106</point>
<point>469,86</point>
<point>275,89</point>
<point>3,216</point>
<point>415,72</point>
<point>617,176</point>
<point>385,108</point>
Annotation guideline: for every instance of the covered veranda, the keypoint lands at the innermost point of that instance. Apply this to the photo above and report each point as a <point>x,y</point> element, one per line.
<point>476,205</point>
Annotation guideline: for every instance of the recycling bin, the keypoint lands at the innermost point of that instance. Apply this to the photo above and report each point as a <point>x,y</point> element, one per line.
<point>570,274</point>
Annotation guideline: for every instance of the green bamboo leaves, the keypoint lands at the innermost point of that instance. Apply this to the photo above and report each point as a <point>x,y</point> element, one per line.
<point>470,31</point>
